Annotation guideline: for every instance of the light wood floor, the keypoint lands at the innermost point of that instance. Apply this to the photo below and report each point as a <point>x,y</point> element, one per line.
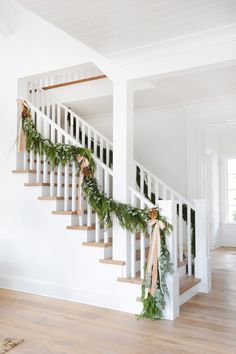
<point>207,323</point>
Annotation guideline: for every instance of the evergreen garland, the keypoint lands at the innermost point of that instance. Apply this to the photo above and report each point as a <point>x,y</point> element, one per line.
<point>130,218</point>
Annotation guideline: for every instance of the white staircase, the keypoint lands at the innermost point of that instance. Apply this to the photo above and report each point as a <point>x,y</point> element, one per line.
<point>59,188</point>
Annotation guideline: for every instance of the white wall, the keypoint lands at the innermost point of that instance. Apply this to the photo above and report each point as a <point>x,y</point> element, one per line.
<point>207,120</point>
<point>25,236</point>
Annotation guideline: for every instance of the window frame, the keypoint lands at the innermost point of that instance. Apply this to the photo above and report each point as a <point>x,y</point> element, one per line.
<point>226,190</point>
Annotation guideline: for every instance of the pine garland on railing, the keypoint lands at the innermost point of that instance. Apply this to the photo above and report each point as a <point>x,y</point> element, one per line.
<point>130,218</point>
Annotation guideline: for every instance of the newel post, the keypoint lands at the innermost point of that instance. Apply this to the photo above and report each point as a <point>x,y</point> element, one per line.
<point>123,147</point>
<point>202,260</point>
<point>169,210</point>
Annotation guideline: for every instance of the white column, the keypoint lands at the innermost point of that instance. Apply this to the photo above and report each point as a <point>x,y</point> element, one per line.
<point>202,260</point>
<point>169,210</point>
<point>123,169</point>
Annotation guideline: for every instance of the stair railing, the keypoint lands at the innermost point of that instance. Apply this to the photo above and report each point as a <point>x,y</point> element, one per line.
<point>155,190</point>
<point>148,185</point>
<point>58,77</point>
<point>63,181</point>
<point>74,126</point>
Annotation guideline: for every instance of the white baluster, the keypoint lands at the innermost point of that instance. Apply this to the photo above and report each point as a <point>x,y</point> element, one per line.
<point>66,187</point>
<point>189,242</point>
<point>157,191</point>
<point>89,138</point>
<point>66,121</point>
<point>89,215</point>
<point>106,191</point>
<point>38,161</point>
<point>45,162</point>
<point>142,248</point>
<point>142,254</point>
<point>53,139</point>
<point>71,124</point>
<point>149,186</point>
<point>81,215</point>
<point>133,245</point>
<point>25,159</point>
<point>59,171</point>
<point>59,115</point>
<point>101,149</point>
<point>107,154</point>
<point>95,142</point>
<point>97,222</point>
<point>141,181</point>
<point>31,160</point>
<point>180,231</point>
<point>74,188</point>
<point>83,134</point>
<point>77,129</point>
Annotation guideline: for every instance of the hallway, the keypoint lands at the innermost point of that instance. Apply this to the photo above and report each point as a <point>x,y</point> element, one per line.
<point>206,325</point>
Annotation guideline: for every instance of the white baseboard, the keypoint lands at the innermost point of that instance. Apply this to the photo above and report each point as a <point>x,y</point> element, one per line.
<point>66,292</point>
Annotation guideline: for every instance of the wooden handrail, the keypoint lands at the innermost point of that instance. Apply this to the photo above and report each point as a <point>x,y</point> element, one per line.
<point>69,83</point>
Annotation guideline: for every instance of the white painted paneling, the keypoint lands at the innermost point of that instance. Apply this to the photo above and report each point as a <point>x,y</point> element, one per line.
<point>112,26</point>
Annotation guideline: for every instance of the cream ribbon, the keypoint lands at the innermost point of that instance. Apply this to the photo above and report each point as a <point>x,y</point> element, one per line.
<point>21,135</point>
<point>83,162</point>
<point>152,262</point>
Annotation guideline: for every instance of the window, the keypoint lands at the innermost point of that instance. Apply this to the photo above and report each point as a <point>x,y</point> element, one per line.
<point>231,189</point>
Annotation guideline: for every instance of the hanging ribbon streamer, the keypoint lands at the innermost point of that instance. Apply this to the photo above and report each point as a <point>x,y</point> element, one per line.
<point>24,112</point>
<point>84,164</point>
<point>152,262</point>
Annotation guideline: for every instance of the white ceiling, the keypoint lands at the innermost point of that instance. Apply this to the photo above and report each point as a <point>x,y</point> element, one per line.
<point>116,25</point>
<point>179,89</point>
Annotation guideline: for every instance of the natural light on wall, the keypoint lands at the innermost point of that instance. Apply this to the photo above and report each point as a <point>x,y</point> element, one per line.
<point>231,190</point>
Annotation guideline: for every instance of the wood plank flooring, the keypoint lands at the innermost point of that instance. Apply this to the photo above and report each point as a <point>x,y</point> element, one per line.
<point>207,324</point>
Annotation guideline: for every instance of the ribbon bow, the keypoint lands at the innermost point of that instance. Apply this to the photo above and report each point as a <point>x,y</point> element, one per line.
<point>84,163</point>
<point>152,262</point>
<point>24,110</point>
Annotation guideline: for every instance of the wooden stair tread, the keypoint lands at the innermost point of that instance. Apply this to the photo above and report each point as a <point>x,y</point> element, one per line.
<point>23,171</point>
<point>187,282</point>
<point>112,261</point>
<point>84,227</point>
<point>27,170</point>
<point>98,244</point>
<point>70,212</point>
<point>37,184</point>
<point>50,198</point>
<point>136,280</point>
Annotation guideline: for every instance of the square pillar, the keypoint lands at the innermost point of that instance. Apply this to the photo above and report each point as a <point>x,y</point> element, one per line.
<point>202,260</point>
<point>123,160</point>
<point>169,210</point>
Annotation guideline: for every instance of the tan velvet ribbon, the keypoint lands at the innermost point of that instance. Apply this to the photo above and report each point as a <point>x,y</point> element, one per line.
<point>152,262</point>
<point>83,161</point>
<point>21,143</point>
